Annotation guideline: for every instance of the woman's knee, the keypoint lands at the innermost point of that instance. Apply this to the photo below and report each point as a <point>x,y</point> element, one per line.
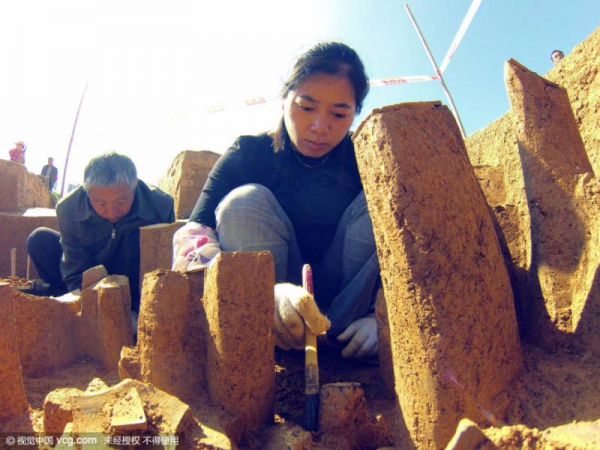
<point>360,225</point>
<point>249,197</point>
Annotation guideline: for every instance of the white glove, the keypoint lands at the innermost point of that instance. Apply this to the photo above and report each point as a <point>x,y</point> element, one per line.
<point>92,276</point>
<point>362,334</point>
<point>194,247</point>
<point>295,308</point>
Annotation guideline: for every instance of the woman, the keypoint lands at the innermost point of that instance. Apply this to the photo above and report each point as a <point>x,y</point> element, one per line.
<point>297,193</point>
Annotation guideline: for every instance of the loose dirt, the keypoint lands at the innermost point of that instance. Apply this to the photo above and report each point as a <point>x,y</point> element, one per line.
<point>553,390</point>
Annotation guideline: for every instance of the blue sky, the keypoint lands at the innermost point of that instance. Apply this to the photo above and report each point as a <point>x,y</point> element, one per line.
<point>153,66</point>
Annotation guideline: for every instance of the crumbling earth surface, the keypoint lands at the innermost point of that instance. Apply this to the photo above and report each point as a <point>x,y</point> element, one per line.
<point>555,389</point>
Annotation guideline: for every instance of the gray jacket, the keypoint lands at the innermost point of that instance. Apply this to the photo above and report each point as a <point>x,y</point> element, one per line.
<point>88,240</point>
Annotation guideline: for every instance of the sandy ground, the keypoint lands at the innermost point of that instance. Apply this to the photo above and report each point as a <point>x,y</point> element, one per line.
<point>556,388</point>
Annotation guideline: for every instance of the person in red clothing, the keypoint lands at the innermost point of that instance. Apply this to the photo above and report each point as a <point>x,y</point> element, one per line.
<point>17,154</point>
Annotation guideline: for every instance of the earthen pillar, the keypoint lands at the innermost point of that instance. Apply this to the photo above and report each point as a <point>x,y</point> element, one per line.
<point>12,391</point>
<point>114,321</point>
<point>172,354</point>
<point>453,328</point>
<point>239,304</point>
<point>156,247</point>
<point>562,196</point>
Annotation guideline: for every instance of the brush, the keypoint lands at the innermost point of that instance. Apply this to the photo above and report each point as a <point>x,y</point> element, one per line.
<point>311,365</point>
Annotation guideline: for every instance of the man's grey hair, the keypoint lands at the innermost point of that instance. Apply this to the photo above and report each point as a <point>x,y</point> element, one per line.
<point>109,169</point>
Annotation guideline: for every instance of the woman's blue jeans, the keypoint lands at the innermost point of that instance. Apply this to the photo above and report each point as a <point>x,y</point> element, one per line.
<point>249,218</point>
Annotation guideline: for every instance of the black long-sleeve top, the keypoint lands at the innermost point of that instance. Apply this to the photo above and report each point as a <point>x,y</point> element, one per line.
<point>313,198</point>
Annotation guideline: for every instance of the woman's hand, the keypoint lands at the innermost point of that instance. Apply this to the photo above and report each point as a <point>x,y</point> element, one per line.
<point>194,247</point>
<point>362,334</point>
<point>295,309</point>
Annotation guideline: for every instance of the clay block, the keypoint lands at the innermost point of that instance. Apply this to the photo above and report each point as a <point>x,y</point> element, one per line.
<point>468,436</point>
<point>239,305</point>
<point>581,78</point>
<point>494,148</point>
<point>196,287</point>
<point>166,414</point>
<point>96,385</point>
<point>103,325</point>
<point>128,413</point>
<point>586,309</point>
<point>576,435</point>
<point>289,436</point>
<point>21,189</point>
<point>53,333</point>
<point>46,333</point>
<point>386,363</point>
<point>564,220</point>
<point>16,228</point>
<point>453,328</point>
<point>209,438</point>
<point>12,391</point>
<point>186,177</point>
<point>490,145</point>
<point>170,343</point>
<point>156,246</point>
<point>344,420</point>
<point>494,153</point>
<point>86,327</point>
<point>129,364</point>
<point>114,319</point>
<point>57,410</point>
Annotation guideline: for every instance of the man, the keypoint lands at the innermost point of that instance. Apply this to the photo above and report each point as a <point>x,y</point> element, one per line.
<point>51,172</point>
<point>556,56</point>
<point>17,154</point>
<point>100,223</point>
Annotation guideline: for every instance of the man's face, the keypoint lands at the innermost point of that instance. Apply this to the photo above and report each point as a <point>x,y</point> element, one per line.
<point>50,161</point>
<point>113,202</point>
<point>557,56</point>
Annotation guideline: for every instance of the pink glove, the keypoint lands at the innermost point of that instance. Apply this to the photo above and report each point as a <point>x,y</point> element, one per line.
<point>194,247</point>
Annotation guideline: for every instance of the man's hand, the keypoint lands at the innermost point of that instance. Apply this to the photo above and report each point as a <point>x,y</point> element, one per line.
<point>362,334</point>
<point>295,308</point>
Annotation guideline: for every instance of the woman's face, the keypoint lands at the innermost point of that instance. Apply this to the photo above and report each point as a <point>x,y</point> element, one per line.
<point>319,113</point>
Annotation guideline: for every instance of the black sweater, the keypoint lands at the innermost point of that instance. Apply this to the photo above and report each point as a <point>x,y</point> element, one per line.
<point>314,198</point>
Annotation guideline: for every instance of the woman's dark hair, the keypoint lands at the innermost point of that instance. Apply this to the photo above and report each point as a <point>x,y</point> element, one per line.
<point>331,58</point>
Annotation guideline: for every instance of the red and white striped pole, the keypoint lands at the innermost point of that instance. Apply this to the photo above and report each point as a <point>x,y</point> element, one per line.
<point>395,80</point>
<point>460,34</point>
<point>437,71</point>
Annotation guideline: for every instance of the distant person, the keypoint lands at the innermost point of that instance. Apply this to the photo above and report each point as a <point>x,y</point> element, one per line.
<point>99,223</point>
<point>556,56</point>
<point>17,154</point>
<point>51,172</point>
<point>296,192</point>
